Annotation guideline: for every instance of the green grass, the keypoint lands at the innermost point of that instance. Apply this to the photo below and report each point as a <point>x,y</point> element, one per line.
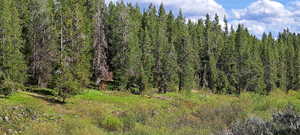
<point>120,113</point>
<point>18,98</point>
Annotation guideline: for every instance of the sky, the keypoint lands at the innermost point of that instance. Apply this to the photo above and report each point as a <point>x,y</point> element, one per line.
<point>257,15</point>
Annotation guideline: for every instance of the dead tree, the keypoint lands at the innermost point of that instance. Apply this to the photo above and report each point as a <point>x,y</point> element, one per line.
<point>102,75</point>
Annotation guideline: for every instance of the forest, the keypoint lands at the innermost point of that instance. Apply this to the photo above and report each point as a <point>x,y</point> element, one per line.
<point>74,67</point>
<point>68,45</point>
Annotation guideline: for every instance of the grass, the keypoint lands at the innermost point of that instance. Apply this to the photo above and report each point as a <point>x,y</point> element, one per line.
<point>120,113</point>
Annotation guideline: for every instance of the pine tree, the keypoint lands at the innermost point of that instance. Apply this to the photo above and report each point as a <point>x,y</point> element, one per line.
<point>232,63</point>
<point>221,81</point>
<point>197,47</point>
<point>118,29</point>
<point>72,71</point>
<point>239,42</point>
<point>282,75</point>
<point>297,63</point>
<point>225,59</point>
<point>164,54</point>
<point>286,40</point>
<point>147,49</point>
<point>39,47</point>
<point>208,58</point>
<point>204,56</point>
<point>195,43</point>
<point>183,49</point>
<point>252,78</point>
<point>148,44</point>
<point>136,73</point>
<point>250,67</point>
<point>12,63</point>
<point>268,59</point>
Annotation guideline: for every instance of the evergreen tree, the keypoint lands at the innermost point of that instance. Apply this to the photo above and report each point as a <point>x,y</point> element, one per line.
<point>208,70</point>
<point>197,47</point>
<point>239,42</point>
<point>135,72</point>
<point>164,54</point>
<point>148,43</point>
<point>72,71</point>
<point>204,68</point>
<point>183,50</point>
<point>118,29</point>
<point>268,59</point>
<point>12,63</point>
<point>219,46</point>
<point>296,62</point>
<point>67,43</point>
<point>253,71</point>
<point>231,65</point>
<point>39,46</point>
<point>282,75</point>
<point>290,55</point>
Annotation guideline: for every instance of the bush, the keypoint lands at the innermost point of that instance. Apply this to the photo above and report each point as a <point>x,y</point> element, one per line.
<point>129,121</point>
<point>112,123</point>
<point>283,123</point>
<point>9,87</point>
<point>136,85</point>
<point>67,89</point>
<point>287,122</point>
<point>79,127</point>
<point>252,126</point>
<point>135,91</point>
<point>219,116</point>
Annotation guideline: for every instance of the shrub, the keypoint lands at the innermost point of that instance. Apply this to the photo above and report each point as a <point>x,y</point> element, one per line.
<point>252,126</point>
<point>67,89</point>
<point>287,122</point>
<point>135,91</point>
<point>283,123</point>
<point>129,121</point>
<point>112,123</point>
<point>8,87</point>
<point>79,127</point>
<point>136,85</point>
<point>219,116</point>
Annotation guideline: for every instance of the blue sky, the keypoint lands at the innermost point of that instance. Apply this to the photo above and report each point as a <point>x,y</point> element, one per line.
<point>258,15</point>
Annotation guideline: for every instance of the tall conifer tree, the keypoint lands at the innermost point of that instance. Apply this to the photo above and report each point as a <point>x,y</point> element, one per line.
<point>12,63</point>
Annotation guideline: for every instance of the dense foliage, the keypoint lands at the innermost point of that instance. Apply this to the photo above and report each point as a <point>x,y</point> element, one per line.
<point>68,45</point>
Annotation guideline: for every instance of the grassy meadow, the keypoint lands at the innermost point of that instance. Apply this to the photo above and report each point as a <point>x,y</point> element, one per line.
<point>120,113</point>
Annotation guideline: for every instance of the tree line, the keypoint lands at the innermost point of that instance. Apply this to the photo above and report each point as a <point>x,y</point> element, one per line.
<point>68,45</point>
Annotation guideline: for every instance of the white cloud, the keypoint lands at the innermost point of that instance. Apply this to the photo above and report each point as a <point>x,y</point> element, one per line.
<point>263,8</point>
<point>268,16</point>
<point>260,16</point>
<point>256,27</point>
<point>191,8</point>
<point>294,5</point>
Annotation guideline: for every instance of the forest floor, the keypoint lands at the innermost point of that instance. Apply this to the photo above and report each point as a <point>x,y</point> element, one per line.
<point>120,113</point>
